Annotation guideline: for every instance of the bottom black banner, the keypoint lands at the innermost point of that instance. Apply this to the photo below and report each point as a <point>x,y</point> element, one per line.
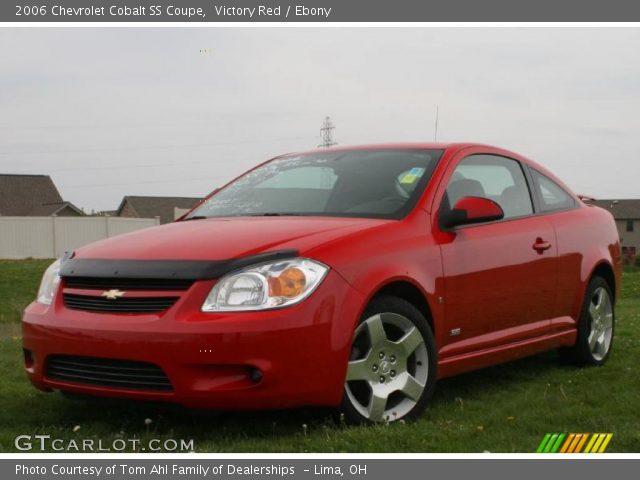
<point>127,468</point>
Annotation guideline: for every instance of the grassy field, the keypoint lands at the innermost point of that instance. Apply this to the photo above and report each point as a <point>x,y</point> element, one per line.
<point>502,409</point>
<point>19,281</point>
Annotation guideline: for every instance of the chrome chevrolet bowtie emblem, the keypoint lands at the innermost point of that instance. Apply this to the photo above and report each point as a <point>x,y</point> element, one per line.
<point>113,294</point>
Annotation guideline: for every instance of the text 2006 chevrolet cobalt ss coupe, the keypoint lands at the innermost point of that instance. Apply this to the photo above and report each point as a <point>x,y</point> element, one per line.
<point>351,277</point>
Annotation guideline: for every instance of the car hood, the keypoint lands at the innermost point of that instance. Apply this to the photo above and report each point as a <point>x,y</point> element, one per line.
<point>225,238</point>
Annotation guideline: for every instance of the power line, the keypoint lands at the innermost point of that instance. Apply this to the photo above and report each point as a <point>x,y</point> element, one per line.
<point>150,147</point>
<point>326,133</point>
<point>200,179</point>
<point>122,167</point>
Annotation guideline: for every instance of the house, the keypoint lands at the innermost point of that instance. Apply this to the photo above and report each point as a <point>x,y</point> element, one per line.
<point>627,215</point>
<point>105,213</point>
<point>166,208</point>
<point>33,196</point>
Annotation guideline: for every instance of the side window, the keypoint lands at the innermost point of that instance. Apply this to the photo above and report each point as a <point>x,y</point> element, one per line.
<point>552,196</point>
<point>497,178</point>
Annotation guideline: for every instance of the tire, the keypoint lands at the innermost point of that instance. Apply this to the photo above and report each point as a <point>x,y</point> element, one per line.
<point>392,365</point>
<point>595,326</point>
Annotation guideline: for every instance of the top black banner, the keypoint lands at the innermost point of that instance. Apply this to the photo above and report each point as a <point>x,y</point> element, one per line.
<point>325,11</point>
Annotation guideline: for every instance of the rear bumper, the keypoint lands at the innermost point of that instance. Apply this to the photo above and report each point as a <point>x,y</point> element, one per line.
<point>301,352</point>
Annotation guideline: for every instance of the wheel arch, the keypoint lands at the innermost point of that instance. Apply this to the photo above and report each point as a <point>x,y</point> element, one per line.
<point>605,270</point>
<point>410,291</point>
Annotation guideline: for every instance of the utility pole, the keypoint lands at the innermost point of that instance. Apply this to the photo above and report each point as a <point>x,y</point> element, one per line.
<point>326,133</point>
<point>435,133</point>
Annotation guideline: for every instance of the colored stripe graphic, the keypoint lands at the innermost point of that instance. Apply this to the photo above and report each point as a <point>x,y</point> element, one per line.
<point>543,443</point>
<point>603,447</point>
<point>600,443</point>
<point>581,443</point>
<point>551,443</point>
<point>590,444</point>
<point>567,443</point>
<point>574,443</point>
<point>558,444</point>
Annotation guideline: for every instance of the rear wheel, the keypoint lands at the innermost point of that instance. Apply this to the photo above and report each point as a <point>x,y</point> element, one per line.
<point>392,366</point>
<point>595,327</point>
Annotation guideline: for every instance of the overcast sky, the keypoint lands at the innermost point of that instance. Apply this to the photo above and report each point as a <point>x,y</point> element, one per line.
<point>109,112</point>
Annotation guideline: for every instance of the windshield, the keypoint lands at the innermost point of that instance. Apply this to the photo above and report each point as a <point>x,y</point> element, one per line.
<point>357,183</point>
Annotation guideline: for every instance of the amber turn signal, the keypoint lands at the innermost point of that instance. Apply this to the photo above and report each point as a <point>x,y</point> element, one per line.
<point>290,283</point>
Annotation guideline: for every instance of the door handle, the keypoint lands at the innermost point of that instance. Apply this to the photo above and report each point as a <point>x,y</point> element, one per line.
<point>541,245</point>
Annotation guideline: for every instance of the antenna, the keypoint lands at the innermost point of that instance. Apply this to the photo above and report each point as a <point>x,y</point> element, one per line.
<point>326,133</point>
<point>435,133</point>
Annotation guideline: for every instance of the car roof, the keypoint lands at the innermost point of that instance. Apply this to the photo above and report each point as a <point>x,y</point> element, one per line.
<point>391,146</point>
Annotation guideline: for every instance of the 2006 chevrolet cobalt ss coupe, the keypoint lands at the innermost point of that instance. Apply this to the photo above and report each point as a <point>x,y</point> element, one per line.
<point>351,277</point>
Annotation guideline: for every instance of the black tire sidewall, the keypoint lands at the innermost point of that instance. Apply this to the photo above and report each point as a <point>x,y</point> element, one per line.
<point>390,304</point>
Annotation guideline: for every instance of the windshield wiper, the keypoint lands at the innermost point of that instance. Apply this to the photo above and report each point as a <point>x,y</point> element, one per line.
<point>266,214</point>
<point>273,214</point>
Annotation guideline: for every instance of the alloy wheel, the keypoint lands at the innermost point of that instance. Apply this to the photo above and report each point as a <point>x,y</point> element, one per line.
<point>601,314</point>
<point>388,368</point>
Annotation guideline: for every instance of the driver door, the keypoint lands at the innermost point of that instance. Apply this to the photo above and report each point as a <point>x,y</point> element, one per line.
<point>498,287</point>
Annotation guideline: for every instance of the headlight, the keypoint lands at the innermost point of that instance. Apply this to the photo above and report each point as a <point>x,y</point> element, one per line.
<point>49,283</point>
<point>265,286</point>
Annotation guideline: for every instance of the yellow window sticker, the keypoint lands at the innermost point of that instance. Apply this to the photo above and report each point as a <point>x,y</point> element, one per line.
<point>408,178</point>
<point>412,175</point>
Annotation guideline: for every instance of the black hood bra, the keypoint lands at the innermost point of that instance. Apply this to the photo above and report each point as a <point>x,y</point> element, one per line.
<point>164,269</point>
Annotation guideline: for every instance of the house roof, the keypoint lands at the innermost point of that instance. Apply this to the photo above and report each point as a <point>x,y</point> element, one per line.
<point>163,207</point>
<point>30,195</point>
<point>53,209</point>
<point>623,209</point>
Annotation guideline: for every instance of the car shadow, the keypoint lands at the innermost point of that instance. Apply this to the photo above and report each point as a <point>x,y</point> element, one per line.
<point>477,382</point>
<point>201,424</point>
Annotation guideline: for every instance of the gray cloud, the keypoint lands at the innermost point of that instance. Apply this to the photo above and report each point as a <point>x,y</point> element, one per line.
<point>110,111</point>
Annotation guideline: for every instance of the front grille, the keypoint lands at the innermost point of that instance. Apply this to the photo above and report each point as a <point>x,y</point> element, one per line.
<point>106,372</point>
<point>120,305</point>
<point>127,283</point>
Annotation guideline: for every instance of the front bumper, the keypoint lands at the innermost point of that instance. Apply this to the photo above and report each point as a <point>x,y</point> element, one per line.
<point>300,351</point>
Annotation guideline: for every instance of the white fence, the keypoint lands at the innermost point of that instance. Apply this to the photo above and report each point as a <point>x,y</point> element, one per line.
<point>50,237</point>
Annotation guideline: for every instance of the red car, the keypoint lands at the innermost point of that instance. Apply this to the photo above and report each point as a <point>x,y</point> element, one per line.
<point>345,277</point>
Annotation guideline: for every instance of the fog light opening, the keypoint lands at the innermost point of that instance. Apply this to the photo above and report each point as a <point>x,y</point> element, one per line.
<point>28,358</point>
<point>255,375</point>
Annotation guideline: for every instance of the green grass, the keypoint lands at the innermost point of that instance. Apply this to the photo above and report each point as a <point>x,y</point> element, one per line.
<point>507,408</point>
<point>19,281</point>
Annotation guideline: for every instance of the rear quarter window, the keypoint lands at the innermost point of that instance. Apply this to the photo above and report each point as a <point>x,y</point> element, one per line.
<point>551,195</point>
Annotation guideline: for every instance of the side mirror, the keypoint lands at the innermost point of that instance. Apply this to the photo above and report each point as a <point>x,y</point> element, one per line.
<point>471,210</point>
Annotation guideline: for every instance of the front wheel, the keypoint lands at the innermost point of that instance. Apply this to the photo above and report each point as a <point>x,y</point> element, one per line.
<point>392,367</point>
